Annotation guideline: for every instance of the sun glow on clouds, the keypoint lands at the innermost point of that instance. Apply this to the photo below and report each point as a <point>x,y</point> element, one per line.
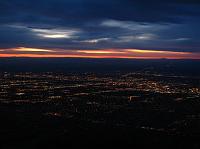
<point>23,49</point>
<point>157,52</point>
<point>100,52</point>
<point>104,53</point>
<point>95,40</point>
<point>55,33</point>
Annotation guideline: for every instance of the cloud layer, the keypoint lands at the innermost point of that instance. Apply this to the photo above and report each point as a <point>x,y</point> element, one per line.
<point>171,25</point>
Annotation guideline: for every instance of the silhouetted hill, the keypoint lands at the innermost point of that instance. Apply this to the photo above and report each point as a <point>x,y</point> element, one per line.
<point>188,67</point>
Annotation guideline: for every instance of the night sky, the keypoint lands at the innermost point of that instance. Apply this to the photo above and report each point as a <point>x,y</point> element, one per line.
<point>146,29</point>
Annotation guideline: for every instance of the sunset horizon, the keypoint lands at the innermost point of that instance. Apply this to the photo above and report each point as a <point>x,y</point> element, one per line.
<point>98,53</point>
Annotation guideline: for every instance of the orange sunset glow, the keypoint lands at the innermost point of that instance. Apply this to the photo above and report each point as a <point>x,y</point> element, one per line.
<point>105,53</point>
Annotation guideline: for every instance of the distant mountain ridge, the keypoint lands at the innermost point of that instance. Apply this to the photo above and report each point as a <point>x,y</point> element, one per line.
<point>188,67</point>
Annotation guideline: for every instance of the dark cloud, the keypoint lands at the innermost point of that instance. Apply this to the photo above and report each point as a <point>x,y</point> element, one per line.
<point>145,24</point>
<point>76,10</point>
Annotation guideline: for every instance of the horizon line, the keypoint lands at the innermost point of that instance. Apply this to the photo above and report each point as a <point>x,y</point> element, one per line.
<point>128,58</point>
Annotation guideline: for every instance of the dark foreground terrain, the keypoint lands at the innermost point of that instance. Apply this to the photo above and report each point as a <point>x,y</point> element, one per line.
<point>51,102</point>
<point>136,109</point>
<point>32,130</point>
